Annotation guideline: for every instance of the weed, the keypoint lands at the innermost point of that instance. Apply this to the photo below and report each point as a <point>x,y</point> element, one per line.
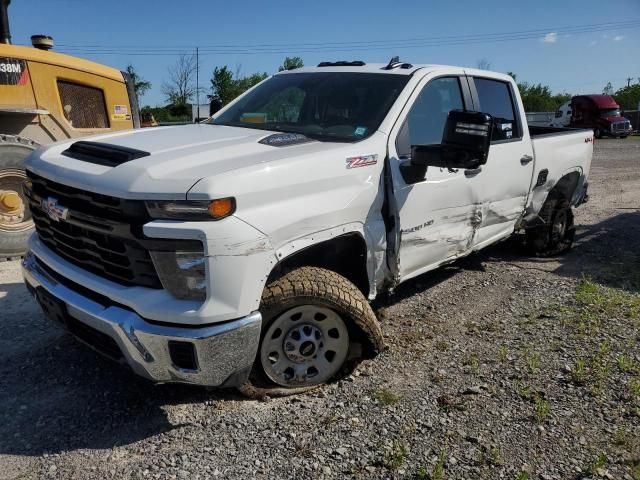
<point>634,389</point>
<point>437,472</point>
<point>597,464</point>
<point>492,457</point>
<point>503,353</point>
<point>626,364</point>
<point>533,361</point>
<point>395,455</point>
<point>579,371</point>
<point>523,475</point>
<point>621,437</point>
<point>385,396</point>
<point>523,390</point>
<point>472,362</point>
<point>541,409</point>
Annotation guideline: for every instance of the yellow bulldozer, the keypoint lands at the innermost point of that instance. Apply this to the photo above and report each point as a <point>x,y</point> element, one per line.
<point>46,97</point>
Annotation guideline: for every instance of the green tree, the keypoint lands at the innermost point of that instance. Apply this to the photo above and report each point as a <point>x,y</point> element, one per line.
<point>225,87</point>
<point>140,85</point>
<point>608,89</point>
<point>539,98</point>
<point>628,97</point>
<point>291,63</point>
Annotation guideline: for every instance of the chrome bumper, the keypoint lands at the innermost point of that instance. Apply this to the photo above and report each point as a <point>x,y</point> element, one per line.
<point>224,353</point>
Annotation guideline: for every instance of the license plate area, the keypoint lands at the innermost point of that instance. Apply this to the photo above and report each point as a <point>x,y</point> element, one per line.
<point>52,307</point>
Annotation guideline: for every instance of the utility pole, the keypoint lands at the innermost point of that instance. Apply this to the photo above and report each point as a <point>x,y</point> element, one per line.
<point>629,81</point>
<point>197,84</point>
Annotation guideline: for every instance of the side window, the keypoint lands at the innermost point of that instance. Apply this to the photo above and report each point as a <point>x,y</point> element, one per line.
<point>495,99</point>
<point>424,124</point>
<point>83,106</point>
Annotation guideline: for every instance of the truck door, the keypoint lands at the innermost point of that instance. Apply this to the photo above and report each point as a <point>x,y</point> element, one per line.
<point>502,185</point>
<point>434,213</point>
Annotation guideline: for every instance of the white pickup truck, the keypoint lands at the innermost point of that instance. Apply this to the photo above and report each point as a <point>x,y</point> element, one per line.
<point>243,252</point>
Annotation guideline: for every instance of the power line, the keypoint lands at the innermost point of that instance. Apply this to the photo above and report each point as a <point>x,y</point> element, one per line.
<point>349,46</point>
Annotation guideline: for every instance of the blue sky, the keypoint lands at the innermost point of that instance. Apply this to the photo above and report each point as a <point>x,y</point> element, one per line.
<point>576,63</point>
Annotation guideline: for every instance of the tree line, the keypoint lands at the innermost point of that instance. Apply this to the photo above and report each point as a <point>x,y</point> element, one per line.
<point>225,85</point>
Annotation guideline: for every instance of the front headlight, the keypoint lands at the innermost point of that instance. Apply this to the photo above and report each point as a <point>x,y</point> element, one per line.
<point>183,274</point>
<point>188,210</point>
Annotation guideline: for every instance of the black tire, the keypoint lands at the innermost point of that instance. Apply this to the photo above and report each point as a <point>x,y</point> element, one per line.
<point>327,289</point>
<point>556,236</point>
<point>13,235</point>
<point>597,133</point>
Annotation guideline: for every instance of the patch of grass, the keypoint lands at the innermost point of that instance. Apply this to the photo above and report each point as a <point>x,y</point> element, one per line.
<point>634,389</point>
<point>609,301</point>
<point>395,455</point>
<point>597,463</point>
<point>385,396</point>
<point>533,361</point>
<point>472,362</point>
<point>491,457</point>
<point>523,475</point>
<point>437,471</point>
<point>621,436</point>
<point>523,390</point>
<point>503,354</point>
<point>579,371</point>
<point>541,409</point>
<point>626,364</point>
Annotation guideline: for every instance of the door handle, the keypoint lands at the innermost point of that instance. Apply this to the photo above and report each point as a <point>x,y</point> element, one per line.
<point>472,172</point>
<point>526,159</point>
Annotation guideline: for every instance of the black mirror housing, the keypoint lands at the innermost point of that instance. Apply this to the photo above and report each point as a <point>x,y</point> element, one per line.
<point>465,142</point>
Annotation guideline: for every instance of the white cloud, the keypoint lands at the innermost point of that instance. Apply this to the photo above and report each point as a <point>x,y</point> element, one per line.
<point>592,43</point>
<point>551,37</point>
<point>618,38</point>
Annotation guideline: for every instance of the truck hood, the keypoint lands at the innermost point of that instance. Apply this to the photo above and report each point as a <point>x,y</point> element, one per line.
<point>178,158</point>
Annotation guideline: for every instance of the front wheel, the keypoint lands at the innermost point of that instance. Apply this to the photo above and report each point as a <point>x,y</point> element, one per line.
<point>556,235</point>
<point>317,326</point>
<point>597,133</point>
<point>15,219</point>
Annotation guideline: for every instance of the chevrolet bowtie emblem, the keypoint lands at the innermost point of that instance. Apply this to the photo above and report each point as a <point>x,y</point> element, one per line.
<point>55,211</point>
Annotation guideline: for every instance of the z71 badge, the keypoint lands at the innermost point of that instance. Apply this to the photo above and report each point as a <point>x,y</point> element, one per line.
<point>13,71</point>
<point>355,162</point>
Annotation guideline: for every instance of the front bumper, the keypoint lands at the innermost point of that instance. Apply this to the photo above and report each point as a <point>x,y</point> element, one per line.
<point>223,353</point>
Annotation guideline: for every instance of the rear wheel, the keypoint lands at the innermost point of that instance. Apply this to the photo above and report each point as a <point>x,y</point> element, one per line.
<point>556,235</point>
<point>15,219</point>
<point>317,326</point>
<point>597,133</point>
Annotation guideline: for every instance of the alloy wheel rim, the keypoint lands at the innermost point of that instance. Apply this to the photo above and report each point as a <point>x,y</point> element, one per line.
<point>306,345</point>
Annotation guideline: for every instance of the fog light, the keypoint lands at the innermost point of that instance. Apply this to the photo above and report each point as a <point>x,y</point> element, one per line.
<point>183,274</point>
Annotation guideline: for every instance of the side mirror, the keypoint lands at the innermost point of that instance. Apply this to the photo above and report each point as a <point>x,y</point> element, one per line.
<point>465,142</point>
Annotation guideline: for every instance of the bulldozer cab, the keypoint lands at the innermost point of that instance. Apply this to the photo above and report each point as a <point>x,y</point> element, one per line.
<point>46,97</point>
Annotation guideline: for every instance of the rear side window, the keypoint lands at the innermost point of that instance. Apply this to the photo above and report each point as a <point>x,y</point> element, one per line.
<point>496,100</point>
<point>83,106</point>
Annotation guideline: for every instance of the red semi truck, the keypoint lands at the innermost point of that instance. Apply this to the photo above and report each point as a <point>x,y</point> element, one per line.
<point>601,113</point>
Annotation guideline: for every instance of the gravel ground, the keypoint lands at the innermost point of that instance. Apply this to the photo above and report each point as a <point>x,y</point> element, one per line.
<point>500,366</point>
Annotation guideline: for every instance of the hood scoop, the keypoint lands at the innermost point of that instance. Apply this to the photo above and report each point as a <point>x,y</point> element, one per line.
<point>103,153</point>
<point>285,139</point>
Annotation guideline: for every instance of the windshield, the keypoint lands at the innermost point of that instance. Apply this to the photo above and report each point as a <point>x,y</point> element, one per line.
<point>325,105</point>
<point>612,112</point>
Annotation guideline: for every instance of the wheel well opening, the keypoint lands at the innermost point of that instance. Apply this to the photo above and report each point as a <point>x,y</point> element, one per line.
<point>566,186</point>
<point>345,255</point>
